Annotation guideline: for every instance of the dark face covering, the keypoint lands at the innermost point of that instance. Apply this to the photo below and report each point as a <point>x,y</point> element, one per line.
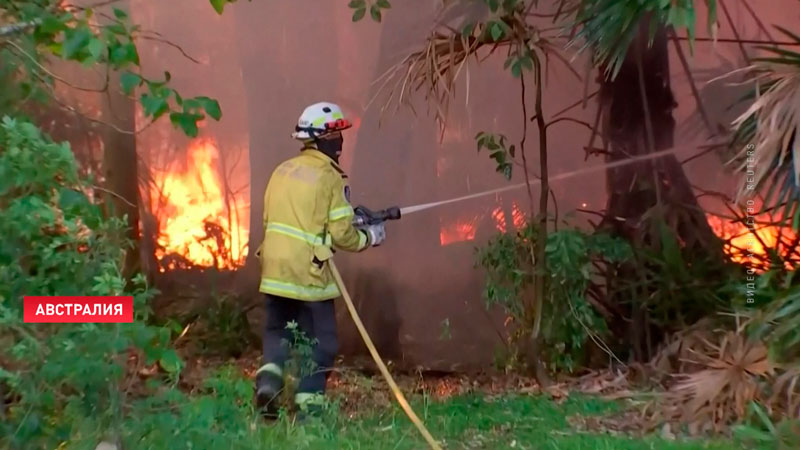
<point>332,148</point>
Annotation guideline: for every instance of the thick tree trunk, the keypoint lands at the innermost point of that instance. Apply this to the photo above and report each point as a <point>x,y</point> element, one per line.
<point>634,190</point>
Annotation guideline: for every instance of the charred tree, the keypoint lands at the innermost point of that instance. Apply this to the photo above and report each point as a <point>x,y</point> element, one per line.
<point>637,110</point>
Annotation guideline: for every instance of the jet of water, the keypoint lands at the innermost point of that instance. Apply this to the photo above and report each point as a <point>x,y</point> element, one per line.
<point>422,207</point>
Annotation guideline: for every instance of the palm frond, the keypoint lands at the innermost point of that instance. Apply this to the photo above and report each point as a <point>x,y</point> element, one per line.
<point>435,68</point>
<point>608,27</point>
<point>766,135</point>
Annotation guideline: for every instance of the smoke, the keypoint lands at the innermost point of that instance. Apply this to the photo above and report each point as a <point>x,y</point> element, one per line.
<point>266,61</point>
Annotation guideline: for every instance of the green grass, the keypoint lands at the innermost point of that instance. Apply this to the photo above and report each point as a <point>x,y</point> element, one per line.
<point>470,422</point>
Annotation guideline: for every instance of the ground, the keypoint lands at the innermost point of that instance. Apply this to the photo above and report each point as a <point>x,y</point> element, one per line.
<point>462,412</point>
<point>474,421</point>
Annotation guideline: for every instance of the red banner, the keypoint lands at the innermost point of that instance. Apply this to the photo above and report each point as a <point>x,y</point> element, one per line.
<point>85,309</point>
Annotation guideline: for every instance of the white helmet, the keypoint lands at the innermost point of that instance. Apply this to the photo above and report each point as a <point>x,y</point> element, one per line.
<point>320,119</point>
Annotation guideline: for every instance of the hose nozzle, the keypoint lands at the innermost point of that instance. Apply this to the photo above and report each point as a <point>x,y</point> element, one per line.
<point>364,216</point>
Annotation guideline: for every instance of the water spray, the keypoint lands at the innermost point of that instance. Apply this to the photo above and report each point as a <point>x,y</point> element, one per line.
<point>406,210</point>
<point>365,216</point>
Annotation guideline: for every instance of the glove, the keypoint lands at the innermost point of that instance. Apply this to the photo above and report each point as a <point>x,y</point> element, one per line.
<point>376,234</point>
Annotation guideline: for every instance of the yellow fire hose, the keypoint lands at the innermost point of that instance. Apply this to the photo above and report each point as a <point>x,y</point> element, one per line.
<point>384,370</point>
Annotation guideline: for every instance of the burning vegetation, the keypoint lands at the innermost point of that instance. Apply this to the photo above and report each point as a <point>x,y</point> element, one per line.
<point>464,229</point>
<point>201,221</point>
<point>756,241</point>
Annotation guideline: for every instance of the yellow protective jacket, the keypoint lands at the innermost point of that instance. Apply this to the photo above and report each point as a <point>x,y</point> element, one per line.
<point>306,213</point>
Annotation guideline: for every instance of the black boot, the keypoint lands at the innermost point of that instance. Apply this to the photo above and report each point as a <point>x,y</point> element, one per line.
<point>268,390</point>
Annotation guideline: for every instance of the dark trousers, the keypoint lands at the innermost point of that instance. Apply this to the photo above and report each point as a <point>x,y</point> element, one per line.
<point>317,321</point>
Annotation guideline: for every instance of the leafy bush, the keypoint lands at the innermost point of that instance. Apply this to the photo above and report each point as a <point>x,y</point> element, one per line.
<point>66,381</point>
<point>761,432</point>
<point>222,327</point>
<point>569,318</point>
<point>75,385</point>
<point>774,309</point>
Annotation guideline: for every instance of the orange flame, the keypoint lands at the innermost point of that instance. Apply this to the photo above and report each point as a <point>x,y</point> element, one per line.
<point>750,244</point>
<point>457,231</point>
<point>198,218</point>
<point>464,229</point>
<point>517,217</point>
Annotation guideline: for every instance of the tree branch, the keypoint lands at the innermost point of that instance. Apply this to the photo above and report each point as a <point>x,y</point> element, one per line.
<point>700,107</point>
<point>48,72</point>
<point>741,41</point>
<point>570,119</point>
<point>16,28</point>
<point>173,45</point>
<point>735,31</point>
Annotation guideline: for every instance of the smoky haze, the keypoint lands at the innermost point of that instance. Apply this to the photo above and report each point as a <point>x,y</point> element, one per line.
<point>420,294</point>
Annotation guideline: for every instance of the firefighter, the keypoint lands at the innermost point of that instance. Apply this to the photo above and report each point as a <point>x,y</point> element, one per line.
<point>307,215</point>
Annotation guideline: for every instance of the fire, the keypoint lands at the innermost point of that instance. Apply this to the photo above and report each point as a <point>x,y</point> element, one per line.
<point>750,244</point>
<point>199,219</point>
<point>458,231</point>
<point>517,217</point>
<point>464,229</point>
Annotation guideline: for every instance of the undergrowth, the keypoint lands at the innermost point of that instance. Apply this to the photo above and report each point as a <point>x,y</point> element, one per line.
<point>71,386</point>
<point>571,321</point>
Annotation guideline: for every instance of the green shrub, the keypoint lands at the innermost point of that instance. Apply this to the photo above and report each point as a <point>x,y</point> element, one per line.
<point>66,382</point>
<point>568,318</point>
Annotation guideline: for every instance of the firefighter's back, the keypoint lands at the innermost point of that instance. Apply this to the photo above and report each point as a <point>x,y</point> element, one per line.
<point>296,205</point>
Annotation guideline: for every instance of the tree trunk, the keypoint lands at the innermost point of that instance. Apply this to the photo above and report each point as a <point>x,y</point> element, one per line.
<point>120,166</point>
<point>635,189</point>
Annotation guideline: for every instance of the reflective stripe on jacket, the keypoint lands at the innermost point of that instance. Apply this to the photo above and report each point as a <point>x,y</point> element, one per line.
<point>306,212</point>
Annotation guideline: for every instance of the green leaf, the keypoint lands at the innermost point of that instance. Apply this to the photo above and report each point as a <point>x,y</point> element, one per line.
<point>357,4</point>
<point>191,104</point>
<point>120,14</point>
<point>129,82</point>
<point>467,30</point>
<point>219,5</point>
<point>51,25</point>
<point>72,200</point>
<point>763,416</point>
<point>498,154</point>
<point>75,41</point>
<point>496,31</point>
<point>527,62</point>
<point>516,69</point>
<point>154,106</point>
<point>384,4</point>
<point>211,107</point>
<point>124,54</point>
<point>375,12</point>
<point>170,361</point>
<point>359,14</point>
<point>96,48</point>
<point>187,122</point>
<point>677,17</point>
<point>117,29</point>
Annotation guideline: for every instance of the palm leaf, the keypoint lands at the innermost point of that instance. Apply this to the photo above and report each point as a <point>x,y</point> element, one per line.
<point>769,130</point>
<point>609,27</point>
